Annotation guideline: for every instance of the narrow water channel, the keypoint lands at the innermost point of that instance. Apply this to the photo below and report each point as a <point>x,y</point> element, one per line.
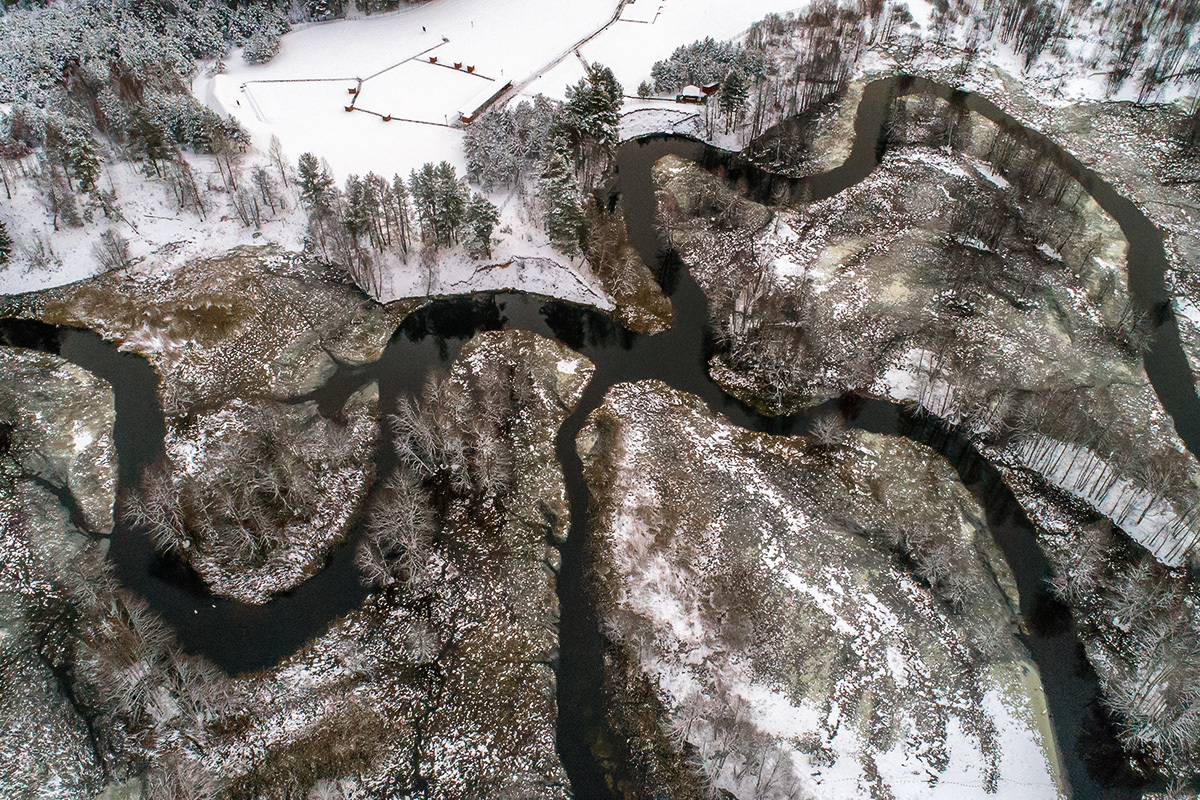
<point>243,638</point>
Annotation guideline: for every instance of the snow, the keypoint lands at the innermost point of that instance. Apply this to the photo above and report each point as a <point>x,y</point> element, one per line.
<point>522,259</point>
<point>504,39</point>
<point>160,235</point>
<point>630,48</point>
<point>1148,518</point>
<point>701,678</point>
<point>647,117</point>
<point>81,437</point>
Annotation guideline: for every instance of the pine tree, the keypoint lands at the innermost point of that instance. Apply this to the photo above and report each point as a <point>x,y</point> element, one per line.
<point>564,212</point>
<point>423,185</point>
<point>80,159</point>
<point>734,94</point>
<point>261,47</point>
<point>441,202</point>
<point>481,219</point>
<point>359,212</point>
<point>400,199</point>
<point>6,244</point>
<point>150,139</point>
<point>324,9</point>
<point>593,105</point>
<point>451,202</point>
<point>315,183</point>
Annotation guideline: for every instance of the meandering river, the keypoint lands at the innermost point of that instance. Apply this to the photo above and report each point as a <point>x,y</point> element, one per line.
<point>241,637</point>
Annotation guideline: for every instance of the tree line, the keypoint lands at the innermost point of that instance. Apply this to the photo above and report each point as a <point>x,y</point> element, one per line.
<point>356,226</point>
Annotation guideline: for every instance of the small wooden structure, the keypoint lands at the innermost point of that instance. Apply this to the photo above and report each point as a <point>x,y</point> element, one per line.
<point>471,68</point>
<point>710,89</point>
<point>481,102</point>
<point>387,118</point>
<point>433,59</point>
<point>691,94</point>
<point>458,65</point>
<point>352,90</point>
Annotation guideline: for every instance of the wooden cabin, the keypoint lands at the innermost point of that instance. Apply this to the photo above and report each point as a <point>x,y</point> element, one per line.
<point>691,94</point>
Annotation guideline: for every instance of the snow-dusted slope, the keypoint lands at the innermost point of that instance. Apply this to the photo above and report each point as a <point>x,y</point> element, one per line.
<point>744,577</point>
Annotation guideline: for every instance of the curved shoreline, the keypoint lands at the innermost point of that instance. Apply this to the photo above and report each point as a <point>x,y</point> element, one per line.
<point>242,638</point>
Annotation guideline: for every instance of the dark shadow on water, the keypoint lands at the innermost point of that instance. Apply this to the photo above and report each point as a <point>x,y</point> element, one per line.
<point>243,638</point>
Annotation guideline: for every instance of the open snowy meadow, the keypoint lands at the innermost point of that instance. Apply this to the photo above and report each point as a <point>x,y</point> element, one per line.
<point>539,46</point>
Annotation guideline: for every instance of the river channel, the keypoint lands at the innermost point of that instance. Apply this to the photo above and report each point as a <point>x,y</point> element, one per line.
<point>241,637</point>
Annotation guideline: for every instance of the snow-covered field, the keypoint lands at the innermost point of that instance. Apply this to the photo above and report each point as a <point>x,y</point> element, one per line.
<point>302,94</point>
<point>631,45</point>
<point>505,40</point>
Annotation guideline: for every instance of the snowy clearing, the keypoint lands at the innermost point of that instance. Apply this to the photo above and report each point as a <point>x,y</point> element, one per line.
<point>509,40</point>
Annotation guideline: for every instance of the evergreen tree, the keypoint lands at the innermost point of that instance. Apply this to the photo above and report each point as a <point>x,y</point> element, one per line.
<point>149,139</point>
<point>423,185</point>
<point>593,105</point>
<point>315,183</point>
<point>6,244</point>
<point>359,212</point>
<point>400,200</point>
<point>324,9</point>
<point>440,200</point>
<point>451,202</point>
<point>564,211</point>
<point>78,153</point>
<point>261,47</point>
<point>379,199</point>
<point>734,94</point>
<point>481,219</point>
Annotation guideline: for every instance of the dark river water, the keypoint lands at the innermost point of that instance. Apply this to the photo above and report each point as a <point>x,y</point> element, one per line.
<point>242,638</point>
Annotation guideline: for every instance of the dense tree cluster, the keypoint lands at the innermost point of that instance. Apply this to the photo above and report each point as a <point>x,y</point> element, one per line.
<point>253,490</point>
<point>357,226</point>
<point>787,63</point>
<point>567,146</point>
<point>454,447</point>
<point>454,444</point>
<point>1149,41</point>
<point>505,145</point>
<point>705,62</point>
<point>582,146</point>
